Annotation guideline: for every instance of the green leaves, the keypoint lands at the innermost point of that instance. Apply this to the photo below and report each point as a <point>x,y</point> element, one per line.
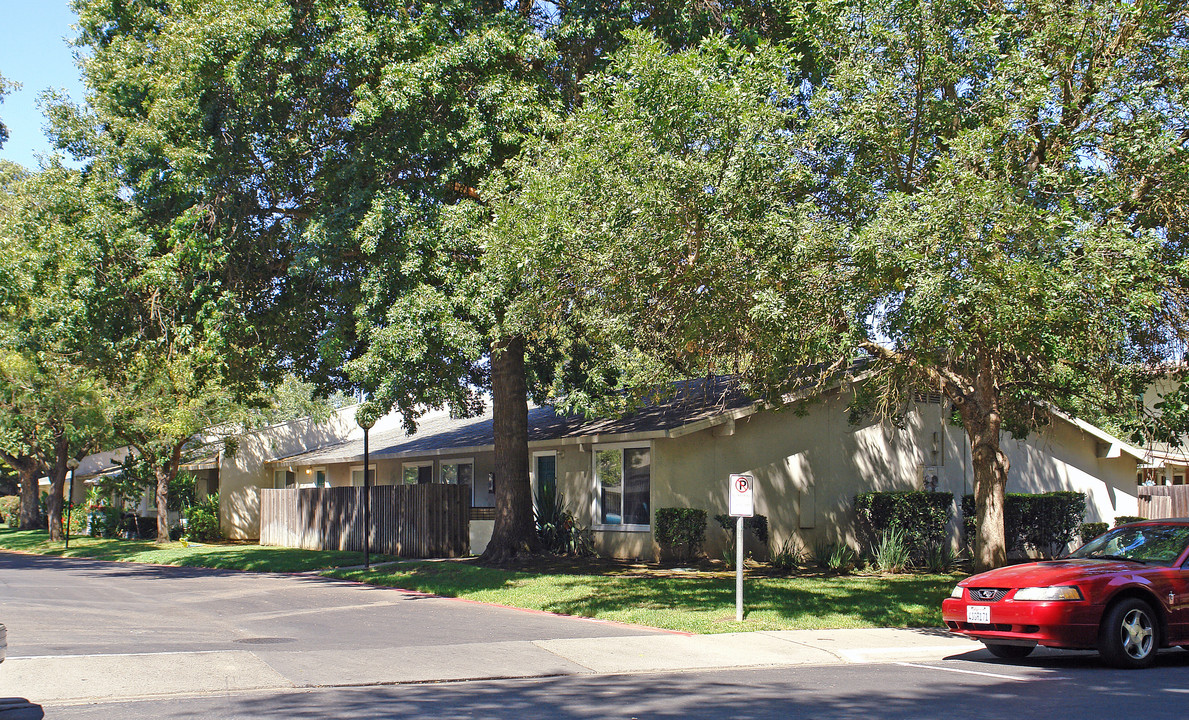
<point>642,222</point>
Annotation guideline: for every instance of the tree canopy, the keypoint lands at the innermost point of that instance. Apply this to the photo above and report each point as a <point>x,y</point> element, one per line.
<point>985,200</point>
<point>567,200</point>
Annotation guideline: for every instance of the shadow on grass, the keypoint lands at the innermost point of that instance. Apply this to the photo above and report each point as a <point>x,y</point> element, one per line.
<point>788,602</point>
<point>697,601</point>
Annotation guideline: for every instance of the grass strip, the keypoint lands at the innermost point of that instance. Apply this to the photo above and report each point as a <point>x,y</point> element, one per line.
<point>695,602</point>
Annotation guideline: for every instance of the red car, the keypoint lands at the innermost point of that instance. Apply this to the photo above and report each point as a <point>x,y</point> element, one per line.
<point>1124,593</point>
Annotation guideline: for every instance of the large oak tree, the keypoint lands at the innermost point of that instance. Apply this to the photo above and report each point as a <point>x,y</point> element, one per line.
<point>988,200</point>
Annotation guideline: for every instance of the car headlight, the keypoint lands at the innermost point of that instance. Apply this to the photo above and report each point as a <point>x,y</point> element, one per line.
<point>1060,592</point>
<point>957,591</point>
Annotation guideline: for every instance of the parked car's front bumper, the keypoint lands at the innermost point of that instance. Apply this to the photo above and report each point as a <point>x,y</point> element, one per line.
<point>1052,624</point>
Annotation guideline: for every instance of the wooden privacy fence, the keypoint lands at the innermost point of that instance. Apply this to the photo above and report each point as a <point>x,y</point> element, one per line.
<point>416,521</point>
<point>1158,502</point>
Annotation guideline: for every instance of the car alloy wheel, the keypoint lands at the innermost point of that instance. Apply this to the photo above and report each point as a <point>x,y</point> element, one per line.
<point>1129,636</point>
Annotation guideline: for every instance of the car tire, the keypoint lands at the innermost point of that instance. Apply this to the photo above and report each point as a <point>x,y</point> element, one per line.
<point>1130,634</point>
<point>1010,652</point>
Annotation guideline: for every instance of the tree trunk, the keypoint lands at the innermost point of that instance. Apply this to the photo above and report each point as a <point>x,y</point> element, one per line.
<point>28,472</point>
<point>979,408</point>
<point>54,504</point>
<point>514,532</point>
<point>165,475</point>
<point>990,493</point>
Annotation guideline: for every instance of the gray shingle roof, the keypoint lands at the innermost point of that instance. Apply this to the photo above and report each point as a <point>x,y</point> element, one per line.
<point>437,433</point>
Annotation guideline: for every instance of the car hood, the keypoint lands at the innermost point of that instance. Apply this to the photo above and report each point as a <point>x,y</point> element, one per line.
<point>1049,572</point>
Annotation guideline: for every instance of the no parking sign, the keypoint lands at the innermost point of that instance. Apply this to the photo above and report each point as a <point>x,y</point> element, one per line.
<point>742,496</point>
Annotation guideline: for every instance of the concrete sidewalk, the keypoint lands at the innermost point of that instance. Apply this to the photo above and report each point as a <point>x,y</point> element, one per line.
<point>83,678</point>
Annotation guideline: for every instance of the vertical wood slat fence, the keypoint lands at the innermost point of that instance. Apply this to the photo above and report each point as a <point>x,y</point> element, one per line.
<point>1159,502</point>
<point>414,521</point>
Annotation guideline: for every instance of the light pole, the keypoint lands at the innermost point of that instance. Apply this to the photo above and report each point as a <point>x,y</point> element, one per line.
<point>73,464</point>
<point>366,418</point>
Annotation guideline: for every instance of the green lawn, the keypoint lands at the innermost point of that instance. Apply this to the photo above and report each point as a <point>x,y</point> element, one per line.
<point>697,602</point>
<point>230,556</point>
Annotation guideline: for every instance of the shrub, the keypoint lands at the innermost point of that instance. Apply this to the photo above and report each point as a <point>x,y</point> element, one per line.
<point>835,557</point>
<point>757,524</point>
<point>202,520</point>
<point>180,494</point>
<point>941,559</point>
<point>892,554</point>
<point>788,555</point>
<point>681,531</point>
<point>202,526</point>
<point>77,524</point>
<point>1091,530</point>
<point>1124,519</point>
<point>921,519</point>
<point>105,521</point>
<point>10,509</point>
<point>1044,522</point>
<point>145,527</point>
<point>558,530</point>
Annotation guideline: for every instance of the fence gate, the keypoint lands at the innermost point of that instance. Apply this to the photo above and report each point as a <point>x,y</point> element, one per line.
<point>414,521</point>
<point>1160,502</point>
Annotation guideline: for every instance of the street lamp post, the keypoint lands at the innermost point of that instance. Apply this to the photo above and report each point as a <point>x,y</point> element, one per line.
<point>73,464</point>
<point>366,419</point>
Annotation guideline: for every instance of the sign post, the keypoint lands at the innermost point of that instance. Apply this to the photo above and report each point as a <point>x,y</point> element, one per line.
<point>741,500</point>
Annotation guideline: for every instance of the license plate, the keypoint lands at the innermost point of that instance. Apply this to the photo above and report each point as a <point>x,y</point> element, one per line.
<point>978,614</point>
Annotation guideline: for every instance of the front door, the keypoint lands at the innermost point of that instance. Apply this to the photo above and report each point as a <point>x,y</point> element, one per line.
<point>545,478</point>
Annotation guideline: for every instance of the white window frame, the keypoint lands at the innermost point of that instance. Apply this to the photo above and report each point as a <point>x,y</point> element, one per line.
<point>359,467</point>
<point>282,473</point>
<point>453,461</point>
<point>597,495</point>
<point>532,471</point>
<point>414,464</point>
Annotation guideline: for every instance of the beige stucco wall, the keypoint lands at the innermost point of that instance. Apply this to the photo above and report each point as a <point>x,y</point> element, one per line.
<point>1062,457</point>
<point>242,474</point>
<point>809,467</point>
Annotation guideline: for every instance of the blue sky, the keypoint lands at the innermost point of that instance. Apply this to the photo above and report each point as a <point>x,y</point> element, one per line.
<point>34,52</point>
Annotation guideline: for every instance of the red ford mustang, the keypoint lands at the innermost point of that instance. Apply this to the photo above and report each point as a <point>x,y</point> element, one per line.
<point>1124,593</point>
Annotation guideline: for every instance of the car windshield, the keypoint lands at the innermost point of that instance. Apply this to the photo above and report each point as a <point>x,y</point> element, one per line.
<point>1153,544</point>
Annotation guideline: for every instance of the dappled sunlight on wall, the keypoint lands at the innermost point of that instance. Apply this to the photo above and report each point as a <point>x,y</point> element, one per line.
<point>1063,457</point>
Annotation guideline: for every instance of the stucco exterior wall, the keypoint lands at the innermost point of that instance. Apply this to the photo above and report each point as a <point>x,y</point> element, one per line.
<point>1062,457</point>
<point>809,467</point>
<point>242,474</point>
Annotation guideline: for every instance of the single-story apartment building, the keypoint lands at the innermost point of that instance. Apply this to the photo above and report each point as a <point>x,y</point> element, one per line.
<point>809,460</point>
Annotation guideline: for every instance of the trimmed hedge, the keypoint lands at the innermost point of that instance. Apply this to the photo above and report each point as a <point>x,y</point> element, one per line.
<point>681,531</point>
<point>920,517</point>
<point>757,524</point>
<point>1091,530</point>
<point>1045,522</point>
<point>1125,519</point>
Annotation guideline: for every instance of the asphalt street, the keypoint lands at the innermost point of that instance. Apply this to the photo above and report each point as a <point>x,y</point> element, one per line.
<point>1069,687</point>
<point>92,639</point>
<point>56,606</point>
